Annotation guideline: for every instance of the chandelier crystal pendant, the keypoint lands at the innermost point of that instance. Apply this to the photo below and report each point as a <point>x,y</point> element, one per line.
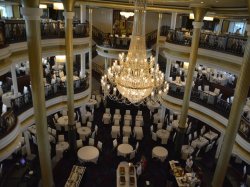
<point>135,79</point>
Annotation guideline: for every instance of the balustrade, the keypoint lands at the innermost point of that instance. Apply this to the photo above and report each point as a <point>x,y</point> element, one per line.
<point>232,44</point>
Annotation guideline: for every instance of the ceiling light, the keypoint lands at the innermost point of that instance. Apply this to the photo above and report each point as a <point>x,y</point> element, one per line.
<point>206,18</point>
<point>58,6</point>
<point>202,2</point>
<point>60,59</point>
<point>127,14</point>
<point>43,6</point>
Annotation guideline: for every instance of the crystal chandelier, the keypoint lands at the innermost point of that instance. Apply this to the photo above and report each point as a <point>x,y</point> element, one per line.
<point>135,79</point>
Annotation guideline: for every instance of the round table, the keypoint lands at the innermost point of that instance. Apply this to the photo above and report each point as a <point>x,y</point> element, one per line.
<point>124,149</point>
<point>186,150</point>
<point>159,152</point>
<point>63,121</point>
<point>62,146</point>
<point>162,134</point>
<point>83,132</point>
<point>88,154</point>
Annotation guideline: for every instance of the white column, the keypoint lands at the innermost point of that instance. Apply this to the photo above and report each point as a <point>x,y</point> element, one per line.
<point>168,68</point>
<point>220,141</point>
<point>106,63</point>
<point>173,20</point>
<point>158,37</point>
<point>90,46</point>
<point>83,65</point>
<point>27,143</point>
<point>83,13</point>
<point>14,79</point>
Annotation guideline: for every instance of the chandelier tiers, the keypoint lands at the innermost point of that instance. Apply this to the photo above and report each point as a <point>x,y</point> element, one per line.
<point>135,79</point>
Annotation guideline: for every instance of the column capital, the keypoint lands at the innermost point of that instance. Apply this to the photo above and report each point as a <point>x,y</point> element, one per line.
<point>199,11</point>
<point>197,24</point>
<point>31,13</point>
<point>68,15</point>
<point>68,5</point>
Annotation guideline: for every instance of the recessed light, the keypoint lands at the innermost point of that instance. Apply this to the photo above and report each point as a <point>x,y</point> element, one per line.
<point>217,1</point>
<point>202,2</point>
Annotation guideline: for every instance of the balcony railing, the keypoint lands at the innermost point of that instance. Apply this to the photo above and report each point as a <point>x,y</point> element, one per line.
<point>120,42</point>
<point>216,104</point>
<point>24,102</point>
<point>8,122</point>
<point>13,31</point>
<point>231,44</point>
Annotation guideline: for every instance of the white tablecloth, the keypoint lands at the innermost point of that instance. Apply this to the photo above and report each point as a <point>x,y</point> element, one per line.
<point>6,98</point>
<point>124,149</point>
<point>83,132</point>
<point>199,142</point>
<point>88,154</point>
<point>117,117</point>
<point>186,151</point>
<point>138,132</point>
<point>163,134</point>
<point>63,121</point>
<point>159,152</point>
<point>62,146</point>
<point>211,135</point>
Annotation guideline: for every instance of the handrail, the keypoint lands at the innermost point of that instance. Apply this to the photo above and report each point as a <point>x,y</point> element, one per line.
<point>220,106</point>
<point>231,44</point>
<point>13,31</point>
<point>24,102</point>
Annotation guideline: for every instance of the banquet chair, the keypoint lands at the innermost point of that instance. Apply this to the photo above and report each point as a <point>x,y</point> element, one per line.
<point>107,110</point>
<point>91,141</point>
<point>78,125</point>
<point>136,146</point>
<point>139,113</point>
<point>159,126</point>
<point>203,129</point>
<point>169,128</point>
<point>49,130</point>
<point>217,91</point>
<point>61,138</point>
<point>115,143</point>
<point>208,148</point>
<point>197,154</point>
<point>117,122</point>
<point>152,128</point>
<point>53,132</point>
<point>132,155</point>
<point>79,143</point>
<point>125,139</point>
<point>89,124</point>
<point>99,145</point>
<point>56,116</point>
<point>195,134</point>
<point>117,111</point>
<point>188,129</point>
<point>58,127</point>
<point>93,134</point>
<point>206,88</point>
<point>174,136</point>
<point>96,128</point>
<point>127,112</point>
<point>154,136</point>
<point>127,122</point>
<point>138,123</point>
<point>93,97</point>
<point>189,137</point>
